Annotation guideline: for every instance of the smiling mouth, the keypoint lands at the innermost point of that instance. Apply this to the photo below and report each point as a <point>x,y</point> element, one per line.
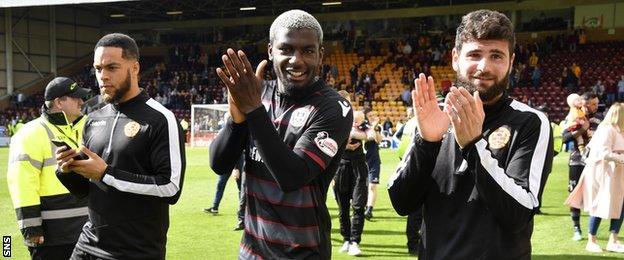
<point>295,73</point>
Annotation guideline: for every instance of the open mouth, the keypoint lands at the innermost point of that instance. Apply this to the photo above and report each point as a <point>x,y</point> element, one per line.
<point>295,73</point>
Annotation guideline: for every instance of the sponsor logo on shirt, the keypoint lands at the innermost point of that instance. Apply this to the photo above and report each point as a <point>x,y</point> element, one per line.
<point>345,107</point>
<point>299,116</point>
<point>499,138</point>
<point>98,123</point>
<point>326,144</point>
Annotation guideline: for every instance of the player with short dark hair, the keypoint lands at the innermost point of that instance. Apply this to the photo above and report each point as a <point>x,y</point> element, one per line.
<point>478,166</point>
<point>135,165</point>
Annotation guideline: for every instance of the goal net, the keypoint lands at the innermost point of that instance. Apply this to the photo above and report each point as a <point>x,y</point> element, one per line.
<point>206,121</point>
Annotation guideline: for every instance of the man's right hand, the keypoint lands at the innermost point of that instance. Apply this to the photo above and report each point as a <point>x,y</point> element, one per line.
<point>432,122</point>
<point>38,240</point>
<point>237,116</point>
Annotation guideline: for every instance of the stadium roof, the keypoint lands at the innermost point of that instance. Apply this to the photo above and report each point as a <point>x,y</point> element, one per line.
<point>180,10</point>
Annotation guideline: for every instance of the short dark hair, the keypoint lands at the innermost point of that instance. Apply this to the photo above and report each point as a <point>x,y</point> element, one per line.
<point>589,95</point>
<point>129,48</point>
<point>485,25</point>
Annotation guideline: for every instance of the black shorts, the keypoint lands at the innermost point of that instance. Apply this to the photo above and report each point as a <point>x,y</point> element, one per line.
<point>373,172</point>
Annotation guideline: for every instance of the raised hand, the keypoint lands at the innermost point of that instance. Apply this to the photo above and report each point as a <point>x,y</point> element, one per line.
<point>432,122</point>
<point>466,114</point>
<point>244,86</point>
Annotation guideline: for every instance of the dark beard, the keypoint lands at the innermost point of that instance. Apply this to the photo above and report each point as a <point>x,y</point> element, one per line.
<point>486,95</point>
<point>287,88</point>
<point>123,89</point>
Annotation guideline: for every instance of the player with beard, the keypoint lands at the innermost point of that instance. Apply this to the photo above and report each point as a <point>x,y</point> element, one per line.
<point>477,167</point>
<point>134,162</point>
<point>293,132</point>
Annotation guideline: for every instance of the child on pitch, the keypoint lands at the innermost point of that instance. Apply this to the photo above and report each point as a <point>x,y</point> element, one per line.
<point>575,119</point>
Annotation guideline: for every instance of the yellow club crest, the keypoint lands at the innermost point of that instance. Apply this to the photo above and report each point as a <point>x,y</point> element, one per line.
<point>499,138</point>
<point>131,129</point>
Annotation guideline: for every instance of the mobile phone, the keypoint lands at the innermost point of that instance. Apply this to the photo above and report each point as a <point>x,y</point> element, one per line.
<point>59,143</point>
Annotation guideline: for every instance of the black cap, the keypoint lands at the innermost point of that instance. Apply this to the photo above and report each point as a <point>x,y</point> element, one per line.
<point>62,86</point>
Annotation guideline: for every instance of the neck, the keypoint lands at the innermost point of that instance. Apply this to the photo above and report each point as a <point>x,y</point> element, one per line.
<point>133,92</point>
<point>494,100</point>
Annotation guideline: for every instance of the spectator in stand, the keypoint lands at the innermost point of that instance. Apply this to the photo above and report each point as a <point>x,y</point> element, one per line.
<point>611,91</point>
<point>576,70</point>
<point>620,89</point>
<point>436,55</point>
<point>582,39</point>
<point>406,96</point>
<point>536,76</point>
<point>533,60</point>
<point>599,90</point>
<point>570,81</point>
<point>407,49</point>
<point>353,72</point>
<point>387,127</point>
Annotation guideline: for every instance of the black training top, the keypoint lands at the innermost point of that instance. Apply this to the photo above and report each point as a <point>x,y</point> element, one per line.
<point>292,149</point>
<point>478,202</point>
<point>143,145</point>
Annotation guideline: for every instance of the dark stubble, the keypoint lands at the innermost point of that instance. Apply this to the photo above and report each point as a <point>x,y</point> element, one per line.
<point>488,94</point>
<point>119,93</point>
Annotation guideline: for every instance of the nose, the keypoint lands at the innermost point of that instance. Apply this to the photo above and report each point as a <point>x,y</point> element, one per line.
<point>102,76</point>
<point>296,57</point>
<point>483,65</point>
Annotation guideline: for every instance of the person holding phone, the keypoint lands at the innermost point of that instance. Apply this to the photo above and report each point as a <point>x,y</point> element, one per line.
<point>48,216</point>
<point>135,165</point>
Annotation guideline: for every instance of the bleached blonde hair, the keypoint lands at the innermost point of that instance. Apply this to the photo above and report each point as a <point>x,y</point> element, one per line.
<point>296,19</point>
<point>571,98</point>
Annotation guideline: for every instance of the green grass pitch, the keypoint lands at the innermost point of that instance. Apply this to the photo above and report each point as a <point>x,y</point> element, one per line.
<point>194,234</point>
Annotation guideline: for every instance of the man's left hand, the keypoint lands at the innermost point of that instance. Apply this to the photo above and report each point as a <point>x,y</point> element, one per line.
<point>92,168</point>
<point>466,114</point>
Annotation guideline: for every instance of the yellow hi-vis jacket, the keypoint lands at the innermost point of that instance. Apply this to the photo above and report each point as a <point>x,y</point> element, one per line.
<point>557,137</point>
<point>44,207</point>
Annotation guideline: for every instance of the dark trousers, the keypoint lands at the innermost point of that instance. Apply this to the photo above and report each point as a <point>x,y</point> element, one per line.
<point>351,191</point>
<point>221,183</point>
<point>574,175</point>
<point>242,200</point>
<point>59,252</point>
<point>412,229</point>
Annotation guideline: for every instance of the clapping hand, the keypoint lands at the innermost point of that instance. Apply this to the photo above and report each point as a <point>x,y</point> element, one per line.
<point>244,86</point>
<point>432,122</point>
<point>466,114</point>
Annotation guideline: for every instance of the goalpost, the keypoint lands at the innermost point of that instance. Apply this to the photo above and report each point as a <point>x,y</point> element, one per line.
<point>206,121</point>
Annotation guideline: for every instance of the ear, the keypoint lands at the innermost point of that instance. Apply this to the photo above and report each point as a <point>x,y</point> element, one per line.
<point>455,56</point>
<point>135,68</point>
<point>511,62</point>
<point>321,53</point>
<point>270,51</point>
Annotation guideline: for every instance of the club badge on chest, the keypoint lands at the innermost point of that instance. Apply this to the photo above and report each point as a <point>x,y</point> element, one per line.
<point>299,116</point>
<point>131,129</point>
<point>499,138</point>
